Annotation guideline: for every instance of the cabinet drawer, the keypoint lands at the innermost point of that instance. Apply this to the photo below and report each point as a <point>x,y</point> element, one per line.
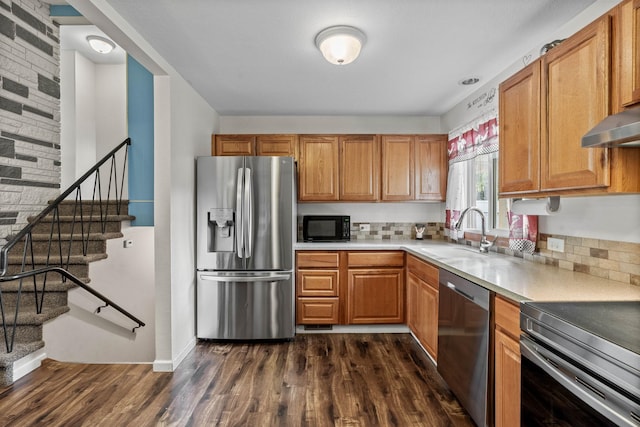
<point>376,259</point>
<point>507,316</point>
<point>317,311</point>
<point>316,259</point>
<point>317,283</point>
<point>423,270</point>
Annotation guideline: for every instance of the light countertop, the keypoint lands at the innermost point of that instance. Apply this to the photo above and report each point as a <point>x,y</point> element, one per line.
<point>509,276</point>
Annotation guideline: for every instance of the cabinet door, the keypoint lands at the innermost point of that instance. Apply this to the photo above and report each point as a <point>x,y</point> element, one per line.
<point>413,284</point>
<point>428,318</point>
<point>629,63</point>
<point>276,145</point>
<point>430,167</point>
<point>317,311</point>
<point>520,131</point>
<point>318,173</point>
<point>317,283</point>
<point>359,168</point>
<point>576,79</point>
<point>375,296</point>
<point>397,167</point>
<point>507,381</point>
<point>235,145</point>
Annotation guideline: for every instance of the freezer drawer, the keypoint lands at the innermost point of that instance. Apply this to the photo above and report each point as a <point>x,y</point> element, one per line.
<point>245,305</point>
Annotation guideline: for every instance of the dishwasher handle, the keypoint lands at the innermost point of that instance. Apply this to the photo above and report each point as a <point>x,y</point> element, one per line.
<point>461,292</point>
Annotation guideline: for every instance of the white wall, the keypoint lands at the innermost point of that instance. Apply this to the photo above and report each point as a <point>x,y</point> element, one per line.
<point>607,217</point>
<point>329,124</point>
<point>183,124</point>
<point>85,119</point>
<point>93,116</point>
<point>127,278</point>
<point>111,113</point>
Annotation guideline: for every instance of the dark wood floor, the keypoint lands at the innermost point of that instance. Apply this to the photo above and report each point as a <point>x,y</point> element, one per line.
<point>314,380</point>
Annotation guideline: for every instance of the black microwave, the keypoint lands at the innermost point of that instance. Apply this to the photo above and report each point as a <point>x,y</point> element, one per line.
<point>326,228</point>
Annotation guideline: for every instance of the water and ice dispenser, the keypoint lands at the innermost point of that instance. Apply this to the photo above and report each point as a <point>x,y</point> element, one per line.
<point>221,230</point>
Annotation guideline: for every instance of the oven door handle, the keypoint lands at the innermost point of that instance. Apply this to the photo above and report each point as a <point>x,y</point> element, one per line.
<point>546,361</point>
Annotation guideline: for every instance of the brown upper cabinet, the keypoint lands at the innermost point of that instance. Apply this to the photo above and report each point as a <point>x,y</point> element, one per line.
<point>233,145</point>
<point>629,45</point>
<point>398,167</point>
<point>318,168</point>
<point>414,167</point>
<point>575,79</point>
<point>520,131</point>
<point>430,167</point>
<point>250,145</point>
<point>546,108</point>
<point>407,167</point>
<point>354,177</point>
<point>359,168</point>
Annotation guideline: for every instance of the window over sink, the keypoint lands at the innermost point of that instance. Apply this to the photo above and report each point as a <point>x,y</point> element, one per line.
<point>473,176</point>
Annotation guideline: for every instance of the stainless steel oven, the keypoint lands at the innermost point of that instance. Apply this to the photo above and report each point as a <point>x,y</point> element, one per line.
<point>580,363</point>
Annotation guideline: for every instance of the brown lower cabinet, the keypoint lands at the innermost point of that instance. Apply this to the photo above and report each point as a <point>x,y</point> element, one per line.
<point>317,288</point>
<point>349,287</point>
<point>422,303</point>
<point>507,363</point>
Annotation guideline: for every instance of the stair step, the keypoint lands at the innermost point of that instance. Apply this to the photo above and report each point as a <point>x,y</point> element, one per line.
<point>78,265</point>
<point>96,243</point>
<point>20,350</point>
<point>68,224</point>
<point>67,207</point>
<point>29,323</point>
<point>56,294</point>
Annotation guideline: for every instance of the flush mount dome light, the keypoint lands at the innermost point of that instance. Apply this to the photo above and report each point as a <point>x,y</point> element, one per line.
<point>341,44</point>
<point>101,44</point>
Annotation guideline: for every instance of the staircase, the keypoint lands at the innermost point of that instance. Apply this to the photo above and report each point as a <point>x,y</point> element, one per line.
<point>66,244</point>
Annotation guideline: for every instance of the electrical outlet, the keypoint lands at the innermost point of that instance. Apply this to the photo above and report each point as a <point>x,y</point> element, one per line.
<point>554,244</point>
<point>365,227</point>
<point>128,243</point>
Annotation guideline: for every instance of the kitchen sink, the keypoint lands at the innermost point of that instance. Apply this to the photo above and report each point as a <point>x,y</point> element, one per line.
<point>465,255</point>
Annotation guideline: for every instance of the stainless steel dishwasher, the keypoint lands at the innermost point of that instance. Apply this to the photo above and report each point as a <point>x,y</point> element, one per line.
<point>463,342</point>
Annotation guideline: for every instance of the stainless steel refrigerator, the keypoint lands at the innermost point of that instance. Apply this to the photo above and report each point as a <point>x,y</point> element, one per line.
<point>246,227</point>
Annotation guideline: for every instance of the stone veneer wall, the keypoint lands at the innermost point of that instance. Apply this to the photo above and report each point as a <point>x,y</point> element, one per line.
<point>29,112</point>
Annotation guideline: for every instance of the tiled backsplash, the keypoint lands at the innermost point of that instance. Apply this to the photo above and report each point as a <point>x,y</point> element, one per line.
<point>396,231</point>
<point>619,261</point>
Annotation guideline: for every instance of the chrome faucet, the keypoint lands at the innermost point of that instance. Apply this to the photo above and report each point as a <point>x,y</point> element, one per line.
<point>484,243</point>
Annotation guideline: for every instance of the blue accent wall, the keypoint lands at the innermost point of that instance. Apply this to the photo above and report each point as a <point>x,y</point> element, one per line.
<point>63,10</point>
<point>140,123</point>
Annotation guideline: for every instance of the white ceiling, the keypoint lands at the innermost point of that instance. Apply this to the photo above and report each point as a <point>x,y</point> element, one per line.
<point>258,57</point>
<point>74,37</point>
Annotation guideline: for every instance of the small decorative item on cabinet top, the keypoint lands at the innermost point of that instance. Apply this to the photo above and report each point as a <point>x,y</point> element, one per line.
<point>419,231</point>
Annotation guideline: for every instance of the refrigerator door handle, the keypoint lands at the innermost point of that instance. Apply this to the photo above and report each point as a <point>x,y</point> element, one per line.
<point>248,213</point>
<point>270,278</point>
<point>239,215</point>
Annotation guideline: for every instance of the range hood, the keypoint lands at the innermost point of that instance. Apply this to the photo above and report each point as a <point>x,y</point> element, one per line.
<point>618,130</point>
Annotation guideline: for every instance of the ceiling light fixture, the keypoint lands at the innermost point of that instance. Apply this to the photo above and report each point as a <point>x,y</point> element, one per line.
<point>341,44</point>
<point>469,81</point>
<point>101,44</point>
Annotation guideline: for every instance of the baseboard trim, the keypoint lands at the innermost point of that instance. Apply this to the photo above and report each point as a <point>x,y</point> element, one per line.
<point>29,363</point>
<point>357,329</point>
<point>171,365</point>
